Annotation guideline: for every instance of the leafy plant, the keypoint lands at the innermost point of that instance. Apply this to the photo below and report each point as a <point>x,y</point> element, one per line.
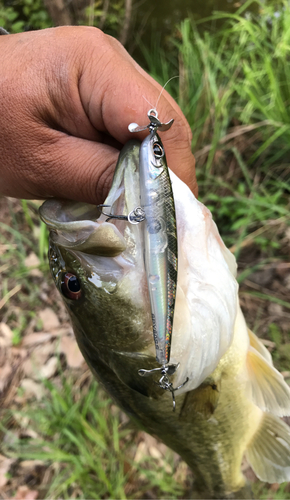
<point>80,435</point>
<point>21,15</point>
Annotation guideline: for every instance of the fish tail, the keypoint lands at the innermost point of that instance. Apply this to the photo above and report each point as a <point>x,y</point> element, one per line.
<point>269,451</point>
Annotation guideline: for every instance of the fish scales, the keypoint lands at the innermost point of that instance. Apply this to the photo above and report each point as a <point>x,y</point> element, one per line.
<point>234,397</point>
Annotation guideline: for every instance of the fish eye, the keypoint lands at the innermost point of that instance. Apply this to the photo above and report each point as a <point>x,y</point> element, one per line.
<point>70,286</point>
<point>158,150</point>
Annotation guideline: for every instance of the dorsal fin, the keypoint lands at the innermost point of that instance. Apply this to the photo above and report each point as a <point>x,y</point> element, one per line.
<point>269,451</point>
<point>268,389</point>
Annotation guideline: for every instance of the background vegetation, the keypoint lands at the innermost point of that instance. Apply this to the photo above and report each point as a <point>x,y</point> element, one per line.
<point>234,88</point>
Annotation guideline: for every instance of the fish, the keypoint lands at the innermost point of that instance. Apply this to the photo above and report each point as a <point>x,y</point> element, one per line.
<point>234,398</point>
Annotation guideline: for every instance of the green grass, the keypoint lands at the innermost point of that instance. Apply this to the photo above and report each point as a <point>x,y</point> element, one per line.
<point>21,235</point>
<point>282,493</point>
<point>234,89</point>
<point>238,73</point>
<point>79,435</point>
<point>80,438</point>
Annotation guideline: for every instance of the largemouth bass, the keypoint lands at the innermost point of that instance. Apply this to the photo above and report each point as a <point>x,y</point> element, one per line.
<point>234,397</point>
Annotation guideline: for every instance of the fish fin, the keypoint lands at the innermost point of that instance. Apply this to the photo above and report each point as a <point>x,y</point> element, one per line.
<point>268,389</point>
<point>257,344</point>
<point>203,400</point>
<point>269,451</point>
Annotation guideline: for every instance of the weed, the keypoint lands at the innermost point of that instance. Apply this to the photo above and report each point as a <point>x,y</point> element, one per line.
<point>79,436</point>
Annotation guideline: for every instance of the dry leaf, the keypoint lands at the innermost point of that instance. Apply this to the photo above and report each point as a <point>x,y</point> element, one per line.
<point>22,420</point>
<point>275,487</point>
<point>181,473</point>
<point>50,368</point>
<point>140,452</point>
<point>69,347</point>
<point>155,453</point>
<point>30,464</point>
<point>37,360</point>
<point>36,338</point>
<point>6,331</point>
<point>5,374</point>
<point>49,319</point>
<point>63,331</point>
<point>6,335</point>
<point>32,389</point>
<point>24,493</point>
<point>268,343</point>
<point>25,433</point>
<point>5,464</point>
<point>32,262</point>
<point>287,282</point>
<point>275,309</point>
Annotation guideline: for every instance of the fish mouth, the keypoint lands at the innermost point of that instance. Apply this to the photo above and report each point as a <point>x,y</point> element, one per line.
<point>92,229</point>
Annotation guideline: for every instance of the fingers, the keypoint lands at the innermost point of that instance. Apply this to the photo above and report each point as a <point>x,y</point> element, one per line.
<point>76,169</point>
<point>70,94</point>
<point>123,90</point>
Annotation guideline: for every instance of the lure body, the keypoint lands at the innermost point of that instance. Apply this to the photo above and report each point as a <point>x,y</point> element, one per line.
<point>160,241</point>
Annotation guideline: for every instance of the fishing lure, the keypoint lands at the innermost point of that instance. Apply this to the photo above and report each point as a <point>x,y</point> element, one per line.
<point>160,242</point>
<point>160,234</point>
<point>157,212</point>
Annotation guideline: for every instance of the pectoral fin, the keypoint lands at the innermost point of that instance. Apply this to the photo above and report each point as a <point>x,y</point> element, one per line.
<point>202,400</point>
<point>268,389</point>
<point>269,450</point>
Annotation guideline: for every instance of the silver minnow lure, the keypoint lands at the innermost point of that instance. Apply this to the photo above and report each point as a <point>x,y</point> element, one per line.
<point>160,241</point>
<point>160,237</point>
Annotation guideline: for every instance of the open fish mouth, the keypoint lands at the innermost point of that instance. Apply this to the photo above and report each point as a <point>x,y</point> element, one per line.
<point>109,253</point>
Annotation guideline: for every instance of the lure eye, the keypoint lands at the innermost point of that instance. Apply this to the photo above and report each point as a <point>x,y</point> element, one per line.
<point>70,286</point>
<point>154,226</point>
<point>158,150</point>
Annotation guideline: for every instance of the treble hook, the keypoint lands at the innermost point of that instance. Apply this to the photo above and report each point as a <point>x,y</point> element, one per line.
<point>164,381</point>
<point>134,217</point>
<point>154,124</point>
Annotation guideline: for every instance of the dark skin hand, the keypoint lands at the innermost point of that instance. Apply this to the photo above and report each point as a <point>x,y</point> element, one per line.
<point>67,96</point>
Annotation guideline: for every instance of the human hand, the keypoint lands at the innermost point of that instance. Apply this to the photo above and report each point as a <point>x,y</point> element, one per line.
<point>67,96</point>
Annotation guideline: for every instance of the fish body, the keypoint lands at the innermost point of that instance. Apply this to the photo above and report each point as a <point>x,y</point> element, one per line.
<point>234,396</point>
